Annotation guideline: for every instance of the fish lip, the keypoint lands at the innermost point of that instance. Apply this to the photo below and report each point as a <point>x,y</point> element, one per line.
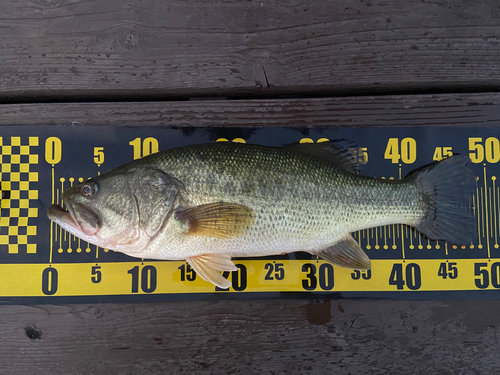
<point>61,216</point>
<point>57,214</point>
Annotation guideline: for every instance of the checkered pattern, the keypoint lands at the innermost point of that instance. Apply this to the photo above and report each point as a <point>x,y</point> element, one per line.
<point>17,165</point>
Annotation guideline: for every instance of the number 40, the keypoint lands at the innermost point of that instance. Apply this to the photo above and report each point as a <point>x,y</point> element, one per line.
<point>406,150</point>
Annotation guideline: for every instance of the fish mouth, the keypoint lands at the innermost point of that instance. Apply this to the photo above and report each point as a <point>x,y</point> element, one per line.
<point>57,214</point>
<point>78,219</point>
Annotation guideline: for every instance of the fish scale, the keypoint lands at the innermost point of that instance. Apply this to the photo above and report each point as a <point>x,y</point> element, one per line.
<point>301,203</point>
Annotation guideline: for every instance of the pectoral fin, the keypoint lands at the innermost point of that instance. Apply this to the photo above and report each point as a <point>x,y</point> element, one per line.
<point>208,267</point>
<point>346,253</point>
<point>220,220</point>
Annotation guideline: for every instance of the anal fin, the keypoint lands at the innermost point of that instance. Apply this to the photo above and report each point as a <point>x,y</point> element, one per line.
<point>346,253</point>
<point>208,267</point>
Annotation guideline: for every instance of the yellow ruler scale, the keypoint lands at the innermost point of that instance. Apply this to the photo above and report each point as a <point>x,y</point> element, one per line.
<point>176,277</point>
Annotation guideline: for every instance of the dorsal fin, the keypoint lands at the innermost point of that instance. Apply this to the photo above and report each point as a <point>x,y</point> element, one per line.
<point>337,152</point>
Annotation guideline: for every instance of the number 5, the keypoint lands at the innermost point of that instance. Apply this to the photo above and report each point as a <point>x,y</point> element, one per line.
<point>96,274</point>
<point>98,155</point>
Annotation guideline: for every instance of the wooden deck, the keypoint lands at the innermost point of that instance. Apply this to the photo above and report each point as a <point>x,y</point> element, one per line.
<point>251,63</point>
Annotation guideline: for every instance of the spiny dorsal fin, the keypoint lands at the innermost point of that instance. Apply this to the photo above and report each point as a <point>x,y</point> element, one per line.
<point>337,152</point>
<point>220,220</point>
<point>208,267</point>
<point>346,253</point>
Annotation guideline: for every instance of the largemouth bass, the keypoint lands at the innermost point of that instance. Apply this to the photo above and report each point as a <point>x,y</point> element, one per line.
<point>208,203</point>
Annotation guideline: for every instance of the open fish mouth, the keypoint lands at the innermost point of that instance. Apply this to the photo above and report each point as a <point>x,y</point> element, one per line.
<point>78,219</point>
<point>62,217</point>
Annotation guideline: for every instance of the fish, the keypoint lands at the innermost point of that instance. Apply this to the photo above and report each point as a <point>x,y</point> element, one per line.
<point>208,203</point>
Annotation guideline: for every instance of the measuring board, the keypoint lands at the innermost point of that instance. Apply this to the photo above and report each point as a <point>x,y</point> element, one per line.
<point>40,262</point>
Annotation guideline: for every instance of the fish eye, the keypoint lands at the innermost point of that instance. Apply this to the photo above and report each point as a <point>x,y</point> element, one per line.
<point>89,188</point>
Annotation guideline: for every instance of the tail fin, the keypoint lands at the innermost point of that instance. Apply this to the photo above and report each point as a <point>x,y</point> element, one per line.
<point>449,185</point>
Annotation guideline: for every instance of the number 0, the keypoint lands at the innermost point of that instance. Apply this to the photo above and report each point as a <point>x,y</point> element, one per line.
<point>408,150</point>
<point>49,281</point>
<point>53,150</point>
<point>492,148</point>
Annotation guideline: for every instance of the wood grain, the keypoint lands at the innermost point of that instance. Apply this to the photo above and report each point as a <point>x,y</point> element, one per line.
<point>253,337</point>
<point>108,49</point>
<point>409,110</point>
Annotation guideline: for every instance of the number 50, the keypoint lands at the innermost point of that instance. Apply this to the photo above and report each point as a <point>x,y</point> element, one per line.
<point>490,150</point>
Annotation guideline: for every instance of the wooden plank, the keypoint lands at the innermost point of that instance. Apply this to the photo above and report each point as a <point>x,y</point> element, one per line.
<point>253,337</point>
<point>69,49</point>
<point>411,110</point>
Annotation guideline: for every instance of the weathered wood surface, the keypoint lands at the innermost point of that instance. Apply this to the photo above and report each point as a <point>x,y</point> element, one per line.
<point>108,49</point>
<point>253,337</point>
<point>408,110</point>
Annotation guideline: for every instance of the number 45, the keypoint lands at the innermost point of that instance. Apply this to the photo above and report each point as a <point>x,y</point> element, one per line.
<point>448,270</point>
<point>441,153</point>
